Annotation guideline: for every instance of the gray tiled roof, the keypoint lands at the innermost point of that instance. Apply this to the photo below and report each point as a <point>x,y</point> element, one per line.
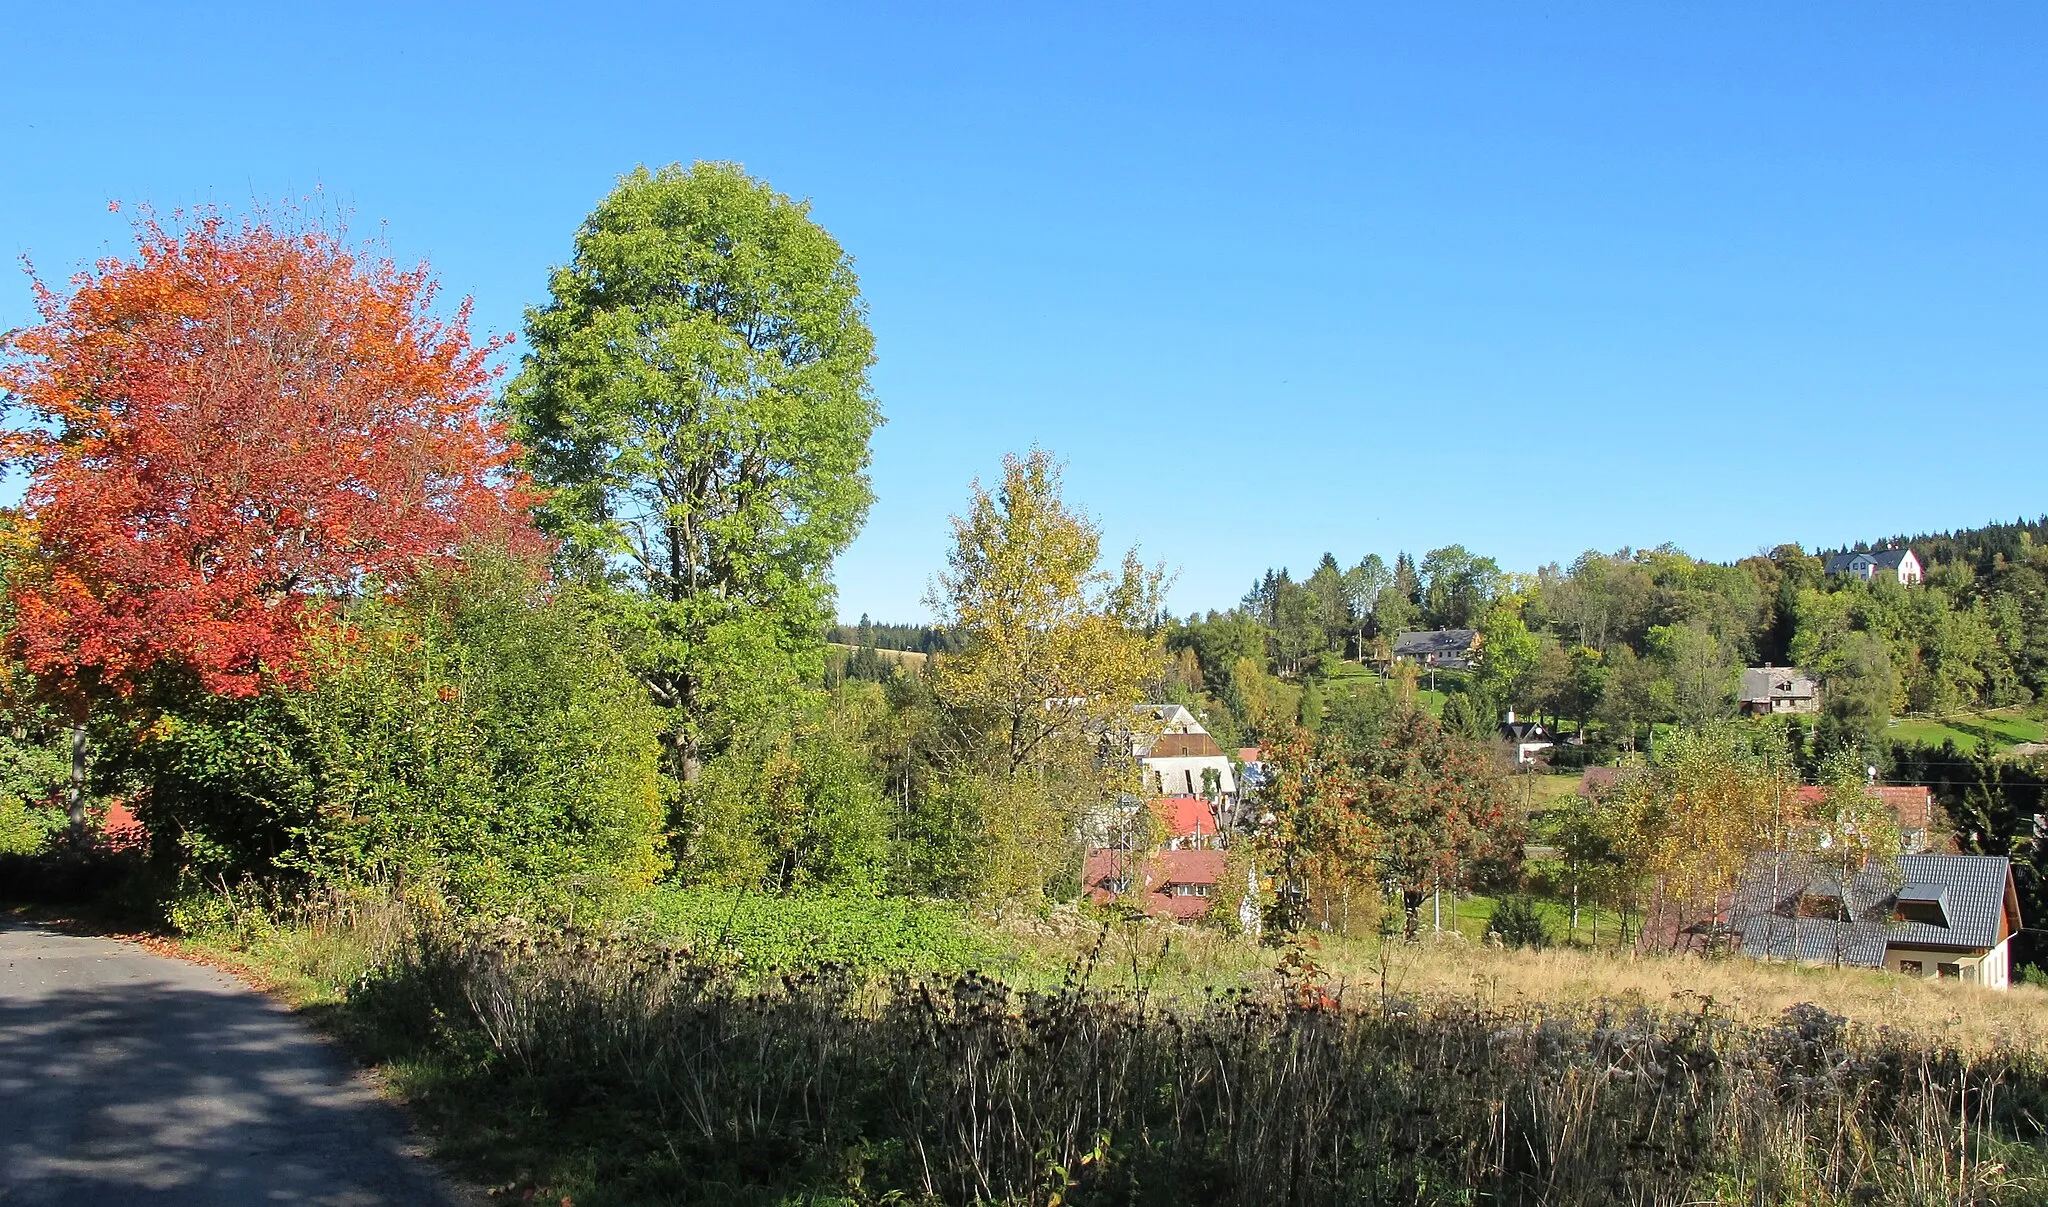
<point>1764,682</point>
<point>1971,889</point>
<point>1435,641</point>
<point>1974,889</point>
<point>1888,558</point>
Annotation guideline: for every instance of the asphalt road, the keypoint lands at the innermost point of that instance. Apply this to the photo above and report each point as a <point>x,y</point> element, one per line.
<point>130,1078</point>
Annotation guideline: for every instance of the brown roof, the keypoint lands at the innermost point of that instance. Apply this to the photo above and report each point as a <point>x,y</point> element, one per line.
<point>1183,745</point>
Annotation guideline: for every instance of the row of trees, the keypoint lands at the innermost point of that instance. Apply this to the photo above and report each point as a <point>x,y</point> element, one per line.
<point>302,588</point>
<point>1641,636</point>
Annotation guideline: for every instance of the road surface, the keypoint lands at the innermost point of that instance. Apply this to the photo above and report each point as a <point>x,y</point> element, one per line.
<point>130,1078</point>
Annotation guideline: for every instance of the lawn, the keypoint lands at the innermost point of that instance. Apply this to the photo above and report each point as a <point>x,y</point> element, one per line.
<point>1341,677</point>
<point>1969,731</point>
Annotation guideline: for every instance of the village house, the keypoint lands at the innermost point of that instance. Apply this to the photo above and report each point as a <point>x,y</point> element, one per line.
<point>1181,759</point>
<point>1912,808</point>
<point>1445,649</point>
<point>1898,565</point>
<point>1177,879</point>
<point>1768,690</point>
<point>1524,738</point>
<point>1937,916</point>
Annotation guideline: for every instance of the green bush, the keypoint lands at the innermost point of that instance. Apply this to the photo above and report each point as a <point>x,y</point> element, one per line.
<point>477,736</point>
<point>481,733</point>
<point>792,808</point>
<point>1517,923</point>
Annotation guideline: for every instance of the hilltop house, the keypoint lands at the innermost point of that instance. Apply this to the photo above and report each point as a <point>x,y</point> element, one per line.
<point>1446,649</point>
<point>1947,917</point>
<point>1771,689</point>
<point>1899,565</point>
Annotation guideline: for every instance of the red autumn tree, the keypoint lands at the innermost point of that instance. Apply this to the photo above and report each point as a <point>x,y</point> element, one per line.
<point>226,431</point>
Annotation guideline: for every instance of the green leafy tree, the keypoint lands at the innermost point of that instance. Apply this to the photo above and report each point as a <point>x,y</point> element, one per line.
<point>1508,655</point>
<point>1698,676</point>
<point>696,399</point>
<point>1458,587</point>
<point>1363,584</point>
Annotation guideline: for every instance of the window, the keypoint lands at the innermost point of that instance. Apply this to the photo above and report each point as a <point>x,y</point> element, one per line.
<point>1911,968</point>
<point>1190,890</point>
<point>1117,884</point>
<point>1928,912</point>
<point>1949,972</point>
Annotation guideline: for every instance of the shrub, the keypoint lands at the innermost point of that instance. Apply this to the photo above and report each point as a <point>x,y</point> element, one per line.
<point>477,736</point>
<point>1518,924</point>
<point>482,734</point>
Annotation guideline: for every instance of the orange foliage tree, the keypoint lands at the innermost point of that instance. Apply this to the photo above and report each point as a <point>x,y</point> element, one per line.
<point>225,432</point>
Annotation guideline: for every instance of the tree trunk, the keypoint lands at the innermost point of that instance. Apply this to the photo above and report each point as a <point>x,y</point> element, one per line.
<point>74,796</point>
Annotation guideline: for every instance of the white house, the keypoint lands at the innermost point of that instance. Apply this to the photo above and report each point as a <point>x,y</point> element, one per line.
<point>1180,758</point>
<point>1899,565</point>
<point>1525,737</point>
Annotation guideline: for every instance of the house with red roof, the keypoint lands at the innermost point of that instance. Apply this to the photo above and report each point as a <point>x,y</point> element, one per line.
<point>1912,807</point>
<point>1189,822</point>
<point>1178,884</point>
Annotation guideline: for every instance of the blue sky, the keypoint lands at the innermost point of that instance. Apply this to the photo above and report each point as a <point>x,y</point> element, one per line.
<point>1273,280</point>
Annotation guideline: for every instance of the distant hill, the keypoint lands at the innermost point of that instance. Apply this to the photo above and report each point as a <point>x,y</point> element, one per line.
<point>921,639</point>
<point>912,659</point>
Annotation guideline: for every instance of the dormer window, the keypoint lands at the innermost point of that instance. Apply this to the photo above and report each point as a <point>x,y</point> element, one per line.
<point>1923,903</point>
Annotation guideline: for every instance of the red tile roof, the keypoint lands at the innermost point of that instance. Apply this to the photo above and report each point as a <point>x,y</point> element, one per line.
<point>1186,816</point>
<point>1153,890</point>
<point>1912,804</point>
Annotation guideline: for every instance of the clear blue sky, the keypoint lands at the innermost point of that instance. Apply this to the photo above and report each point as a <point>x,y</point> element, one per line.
<point>1531,278</point>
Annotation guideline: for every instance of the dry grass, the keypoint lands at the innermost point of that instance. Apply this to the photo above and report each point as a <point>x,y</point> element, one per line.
<point>829,1086</point>
<point>1165,958</point>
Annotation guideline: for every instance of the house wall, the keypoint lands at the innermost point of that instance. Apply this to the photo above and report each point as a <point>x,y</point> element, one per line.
<point>1183,776</point>
<point>1909,568</point>
<point>1992,969</point>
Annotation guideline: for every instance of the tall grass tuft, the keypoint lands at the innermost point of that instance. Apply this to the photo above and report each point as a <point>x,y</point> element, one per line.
<point>962,1090</point>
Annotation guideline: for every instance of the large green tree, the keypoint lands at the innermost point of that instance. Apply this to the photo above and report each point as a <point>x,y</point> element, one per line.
<point>697,399</point>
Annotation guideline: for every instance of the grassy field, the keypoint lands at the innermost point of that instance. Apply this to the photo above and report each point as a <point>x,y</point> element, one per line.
<point>1111,1058</point>
<point>1186,960</point>
<point>2001,728</point>
<point>1342,677</point>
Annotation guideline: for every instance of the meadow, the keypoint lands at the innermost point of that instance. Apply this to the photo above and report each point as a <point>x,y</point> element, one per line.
<point>1999,729</point>
<point>1109,1059</point>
